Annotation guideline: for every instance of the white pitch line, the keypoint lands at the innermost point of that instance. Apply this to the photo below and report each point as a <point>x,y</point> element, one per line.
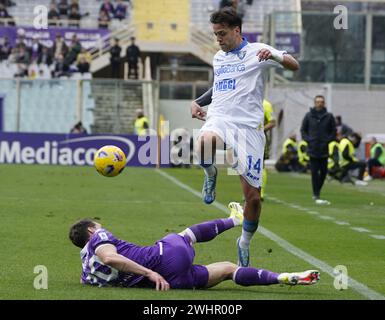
<point>326,218</point>
<point>357,286</point>
<point>378,236</point>
<point>359,229</point>
<point>342,223</point>
<point>323,217</point>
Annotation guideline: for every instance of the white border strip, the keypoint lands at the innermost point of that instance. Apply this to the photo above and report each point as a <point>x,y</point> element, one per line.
<point>357,286</point>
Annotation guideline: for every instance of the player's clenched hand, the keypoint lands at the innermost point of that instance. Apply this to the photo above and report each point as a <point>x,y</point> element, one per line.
<point>197,111</point>
<point>160,283</point>
<point>264,54</point>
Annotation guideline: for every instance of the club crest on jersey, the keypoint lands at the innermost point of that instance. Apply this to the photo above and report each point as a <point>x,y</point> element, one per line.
<point>241,54</point>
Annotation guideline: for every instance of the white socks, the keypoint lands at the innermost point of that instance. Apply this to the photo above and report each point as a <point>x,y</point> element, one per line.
<point>246,236</point>
<point>210,171</point>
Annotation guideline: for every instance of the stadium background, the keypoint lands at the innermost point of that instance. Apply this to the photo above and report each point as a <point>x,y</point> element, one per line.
<point>177,45</point>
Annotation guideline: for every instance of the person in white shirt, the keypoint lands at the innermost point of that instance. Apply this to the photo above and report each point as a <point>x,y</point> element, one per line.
<point>235,116</point>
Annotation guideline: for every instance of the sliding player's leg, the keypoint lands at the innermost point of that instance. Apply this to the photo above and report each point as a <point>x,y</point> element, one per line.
<point>208,230</point>
<point>247,276</point>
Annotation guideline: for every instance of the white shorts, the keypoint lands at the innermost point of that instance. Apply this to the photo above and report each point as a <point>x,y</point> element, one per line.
<point>248,144</point>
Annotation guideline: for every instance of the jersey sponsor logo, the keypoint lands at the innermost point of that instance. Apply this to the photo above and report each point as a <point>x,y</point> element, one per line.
<point>241,54</point>
<point>225,85</point>
<point>229,68</point>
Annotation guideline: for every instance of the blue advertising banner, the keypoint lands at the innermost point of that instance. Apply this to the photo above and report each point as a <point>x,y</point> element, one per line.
<point>78,149</point>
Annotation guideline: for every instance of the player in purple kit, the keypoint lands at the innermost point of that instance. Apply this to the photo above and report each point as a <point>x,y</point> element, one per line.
<point>168,263</point>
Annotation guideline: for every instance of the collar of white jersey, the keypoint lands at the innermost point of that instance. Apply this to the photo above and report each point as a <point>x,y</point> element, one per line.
<point>240,47</point>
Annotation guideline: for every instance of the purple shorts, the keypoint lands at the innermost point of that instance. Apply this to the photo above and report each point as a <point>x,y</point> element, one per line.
<point>176,264</point>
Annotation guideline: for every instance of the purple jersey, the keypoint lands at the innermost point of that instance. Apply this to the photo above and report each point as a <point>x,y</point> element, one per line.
<point>97,273</point>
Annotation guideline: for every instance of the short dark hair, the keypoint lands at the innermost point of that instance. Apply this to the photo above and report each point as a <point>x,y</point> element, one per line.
<point>79,232</point>
<point>319,96</point>
<point>226,16</point>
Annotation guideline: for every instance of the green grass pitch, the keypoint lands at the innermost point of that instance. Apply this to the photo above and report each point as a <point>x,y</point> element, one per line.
<point>39,203</point>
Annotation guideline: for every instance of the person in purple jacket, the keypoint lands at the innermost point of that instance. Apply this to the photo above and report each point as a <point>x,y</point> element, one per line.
<point>168,263</point>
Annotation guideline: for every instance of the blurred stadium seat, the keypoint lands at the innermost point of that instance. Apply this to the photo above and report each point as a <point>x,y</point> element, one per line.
<point>165,20</point>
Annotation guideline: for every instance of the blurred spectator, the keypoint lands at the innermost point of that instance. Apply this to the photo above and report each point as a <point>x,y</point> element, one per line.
<point>225,3</point>
<point>7,3</point>
<point>33,71</point>
<point>74,50</point>
<point>376,160</point>
<point>342,129</point>
<point>288,161</point>
<point>78,128</point>
<point>5,15</point>
<point>348,160</point>
<point>108,7</point>
<point>104,20</point>
<point>22,70</point>
<point>36,48</point>
<point>141,123</point>
<point>5,48</point>
<point>23,56</point>
<point>13,56</point>
<point>74,17</point>
<point>45,57</point>
<point>115,52</point>
<point>63,9</point>
<point>22,60</point>
<point>84,54</point>
<point>120,10</point>
<point>53,14</point>
<point>20,39</point>
<point>132,57</point>
<point>74,4</point>
<point>83,65</point>
<point>61,68</point>
<point>59,47</point>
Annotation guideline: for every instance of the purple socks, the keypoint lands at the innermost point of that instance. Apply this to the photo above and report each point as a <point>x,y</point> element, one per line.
<point>207,231</point>
<point>252,277</point>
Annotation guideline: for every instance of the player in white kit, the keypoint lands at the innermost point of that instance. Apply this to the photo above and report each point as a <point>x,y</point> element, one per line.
<point>235,116</point>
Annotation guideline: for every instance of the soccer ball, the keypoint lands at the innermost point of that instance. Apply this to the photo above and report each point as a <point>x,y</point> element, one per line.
<point>109,161</point>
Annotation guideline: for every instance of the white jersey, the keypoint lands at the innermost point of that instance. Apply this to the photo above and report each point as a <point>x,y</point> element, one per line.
<point>239,82</point>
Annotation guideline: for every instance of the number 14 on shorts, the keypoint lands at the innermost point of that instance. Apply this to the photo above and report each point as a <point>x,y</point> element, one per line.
<point>256,166</point>
<point>253,166</point>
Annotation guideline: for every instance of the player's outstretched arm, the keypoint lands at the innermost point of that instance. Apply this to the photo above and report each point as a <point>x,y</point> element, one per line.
<point>290,63</point>
<point>286,60</point>
<point>107,253</point>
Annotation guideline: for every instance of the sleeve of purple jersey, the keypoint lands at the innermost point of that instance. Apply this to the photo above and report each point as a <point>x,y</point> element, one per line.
<point>100,237</point>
